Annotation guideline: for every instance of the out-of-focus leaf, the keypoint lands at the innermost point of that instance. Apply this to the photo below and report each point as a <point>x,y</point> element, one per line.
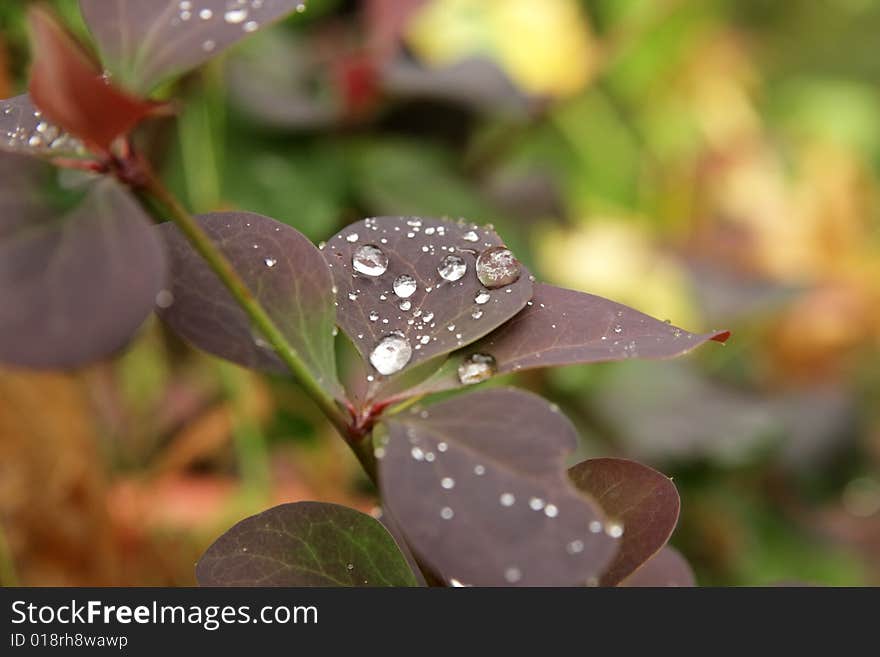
<point>74,288</point>
<point>639,501</point>
<point>284,82</point>
<point>69,88</point>
<point>305,544</point>
<point>565,327</point>
<point>148,42</point>
<point>667,568</point>
<point>478,486</point>
<point>546,48</point>
<point>417,278</point>
<point>476,82</point>
<point>283,270</point>
<point>23,129</point>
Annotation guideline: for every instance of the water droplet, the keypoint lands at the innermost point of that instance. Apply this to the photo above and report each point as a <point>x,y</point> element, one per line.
<point>405,305</point>
<point>391,354</point>
<point>368,259</point>
<point>479,470</point>
<point>208,45</point>
<point>513,575</point>
<point>497,267</point>
<point>476,368</point>
<point>251,26</point>
<point>428,317</point>
<point>507,499</point>
<point>350,566</point>
<point>575,547</point>
<point>206,14</point>
<point>447,483</point>
<point>235,16</point>
<point>482,297</point>
<point>595,527</point>
<point>536,504</point>
<point>404,286</point>
<point>164,299</point>
<point>442,447</point>
<point>352,238</point>
<point>551,511</point>
<point>270,262</point>
<point>417,454</point>
<point>452,268</point>
<point>425,339</point>
<point>471,236</point>
<point>614,529</point>
<point>477,314</point>
<point>446,513</point>
<point>374,316</point>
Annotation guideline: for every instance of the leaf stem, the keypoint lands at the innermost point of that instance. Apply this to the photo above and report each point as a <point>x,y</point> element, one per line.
<point>150,186</point>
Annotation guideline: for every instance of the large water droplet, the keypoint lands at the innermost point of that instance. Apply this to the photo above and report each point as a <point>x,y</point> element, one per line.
<point>404,286</point>
<point>476,368</point>
<point>452,268</point>
<point>391,354</point>
<point>497,267</point>
<point>368,259</point>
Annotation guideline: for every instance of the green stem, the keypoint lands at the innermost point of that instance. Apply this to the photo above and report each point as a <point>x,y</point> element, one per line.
<point>219,263</point>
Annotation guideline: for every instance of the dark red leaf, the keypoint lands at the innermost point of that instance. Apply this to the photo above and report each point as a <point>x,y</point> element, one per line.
<point>565,327</point>
<point>667,568</point>
<point>74,288</point>
<point>283,270</point>
<point>429,315</point>
<point>641,502</point>
<point>305,544</point>
<point>478,487</point>
<point>146,42</point>
<point>23,129</point>
<point>70,90</point>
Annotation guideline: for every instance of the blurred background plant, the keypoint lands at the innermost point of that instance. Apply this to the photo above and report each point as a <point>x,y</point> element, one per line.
<point>714,162</point>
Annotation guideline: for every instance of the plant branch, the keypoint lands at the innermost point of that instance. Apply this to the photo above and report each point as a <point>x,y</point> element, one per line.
<point>146,184</point>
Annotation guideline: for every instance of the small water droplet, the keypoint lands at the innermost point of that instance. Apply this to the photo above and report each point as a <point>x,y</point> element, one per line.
<point>391,354</point>
<point>507,499</point>
<point>164,299</point>
<point>350,566</point>
<point>452,268</point>
<point>417,453</point>
<point>471,236</point>
<point>476,368</point>
<point>374,316</point>
<point>498,267</point>
<point>446,513</point>
<point>404,286</point>
<point>447,482</point>
<point>595,527</point>
<point>479,470</point>
<point>614,529</point>
<point>405,305</point>
<point>513,575</point>
<point>270,262</point>
<point>536,504</point>
<point>369,259</point>
<point>476,314</point>
<point>575,547</point>
<point>352,238</point>
<point>236,16</point>
<point>551,511</point>
<point>482,297</point>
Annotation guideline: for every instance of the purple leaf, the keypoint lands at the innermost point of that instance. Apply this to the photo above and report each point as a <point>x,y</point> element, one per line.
<point>565,327</point>
<point>24,130</point>
<point>74,288</point>
<point>148,42</point>
<point>408,288</point>
<point>282,269</point>
<point>305,544</point>
<point>641,503</point>
<point>478,487</point>
<point>667,568</point>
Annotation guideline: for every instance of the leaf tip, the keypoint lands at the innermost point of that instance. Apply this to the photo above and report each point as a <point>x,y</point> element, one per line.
<point>721,336</point>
